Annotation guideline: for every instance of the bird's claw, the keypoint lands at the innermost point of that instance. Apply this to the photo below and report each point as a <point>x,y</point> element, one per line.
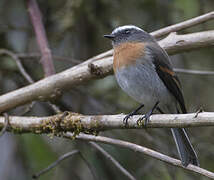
<point>147,116</point>
<point>140,121</point>
<point>200,110</point>
<point>144,120</point>
<point>126,118</point>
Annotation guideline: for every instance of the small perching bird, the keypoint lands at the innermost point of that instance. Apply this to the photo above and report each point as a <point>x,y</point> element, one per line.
<point>143,70</point>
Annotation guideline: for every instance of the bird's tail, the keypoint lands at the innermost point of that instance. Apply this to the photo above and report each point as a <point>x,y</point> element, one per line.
<point>186,152</point>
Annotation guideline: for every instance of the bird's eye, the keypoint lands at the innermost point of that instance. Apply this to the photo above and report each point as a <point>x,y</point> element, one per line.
<point>127,31</point>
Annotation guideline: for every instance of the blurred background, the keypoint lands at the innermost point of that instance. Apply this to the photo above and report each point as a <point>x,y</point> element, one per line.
<point>75,31</point>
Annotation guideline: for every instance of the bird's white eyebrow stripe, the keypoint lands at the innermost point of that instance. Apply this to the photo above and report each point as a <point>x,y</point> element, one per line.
<point>120,28</point>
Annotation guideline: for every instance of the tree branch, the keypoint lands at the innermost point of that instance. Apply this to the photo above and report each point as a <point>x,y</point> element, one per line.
<point>94,68</point>
<point>25,75</point>
<point>184,25</point>
<point>55,163</point>
<point>173,28</point>
<point>74,122</point>
<point>4,128</point>
<point>74,61</point>
<point>99,67</point>
<point>196,72</point>
<point>36,19</point>
<point>18,63</point>
<point>62,158</point>
<point>35,56</point>
<point>175,43</point>
<point>140,149</point>
<point>113,161</point>
<point>79,123</point>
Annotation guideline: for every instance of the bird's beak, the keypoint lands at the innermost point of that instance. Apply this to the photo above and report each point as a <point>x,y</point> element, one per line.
<point>109,36</point>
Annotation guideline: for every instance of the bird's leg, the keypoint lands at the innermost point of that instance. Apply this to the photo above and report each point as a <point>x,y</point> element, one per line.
<point>125,120</point>
<point>159,109</point>
<point>147,115</point>
<point>198,111</point>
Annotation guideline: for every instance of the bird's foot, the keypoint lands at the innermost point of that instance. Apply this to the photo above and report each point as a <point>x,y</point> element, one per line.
<point>126,118</point>
<point>144,120</point>
<point>146,116</point>
<point>200,110</point>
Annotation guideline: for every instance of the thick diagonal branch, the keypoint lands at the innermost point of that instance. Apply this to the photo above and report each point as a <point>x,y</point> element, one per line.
<point>94,68</point>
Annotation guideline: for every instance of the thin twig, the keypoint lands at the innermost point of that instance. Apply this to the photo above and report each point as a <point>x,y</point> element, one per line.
<point>28,108</point>
<point>89,166</point>
<point>195,72</point>
<point>183,25</point>
<point>114,161</point>
<point>60,159</point>
<point>140,149</point>
<point>18,63</point>
<point>56,57</point>
<point>6,123</point>
<point>54,107</point>
<point>200,110</point>
<point>55,163</point>
<point>36,19</point>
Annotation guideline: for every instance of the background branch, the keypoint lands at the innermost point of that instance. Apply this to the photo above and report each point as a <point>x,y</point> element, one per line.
<point>183,25</point>
<point>32,124</point>
<point>36,19</point>
<point>113,161</point>
<point>35,56</point>
<point>94,68</point>
<point>18,63</point>
<point>6,122</point>
<point>196,72</point>
<point>55,163</point>
<point>140,149</point>
<point>62,158</point>
<point>173,28</point>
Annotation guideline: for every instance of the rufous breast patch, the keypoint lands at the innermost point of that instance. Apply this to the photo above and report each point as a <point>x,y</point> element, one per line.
<point>127,53</point>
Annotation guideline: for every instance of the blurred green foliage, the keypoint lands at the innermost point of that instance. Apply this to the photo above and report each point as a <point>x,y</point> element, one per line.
<point>37,151</point>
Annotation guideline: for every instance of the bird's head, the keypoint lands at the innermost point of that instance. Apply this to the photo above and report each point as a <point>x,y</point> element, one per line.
<point>128,33</point>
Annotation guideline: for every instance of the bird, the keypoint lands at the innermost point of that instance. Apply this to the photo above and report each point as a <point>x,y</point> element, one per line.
<point>144,71</point>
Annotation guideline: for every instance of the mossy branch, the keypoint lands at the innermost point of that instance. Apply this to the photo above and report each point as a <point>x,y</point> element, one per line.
<point>77,123</point>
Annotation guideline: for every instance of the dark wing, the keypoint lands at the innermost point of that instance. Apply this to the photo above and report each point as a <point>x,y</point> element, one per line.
<point>166,74</point>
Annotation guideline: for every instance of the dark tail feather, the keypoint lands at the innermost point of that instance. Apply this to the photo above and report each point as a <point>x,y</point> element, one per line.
<point>185,149</point>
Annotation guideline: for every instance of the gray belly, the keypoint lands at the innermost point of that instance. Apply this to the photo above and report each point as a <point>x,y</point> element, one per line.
<point>143,84</point>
